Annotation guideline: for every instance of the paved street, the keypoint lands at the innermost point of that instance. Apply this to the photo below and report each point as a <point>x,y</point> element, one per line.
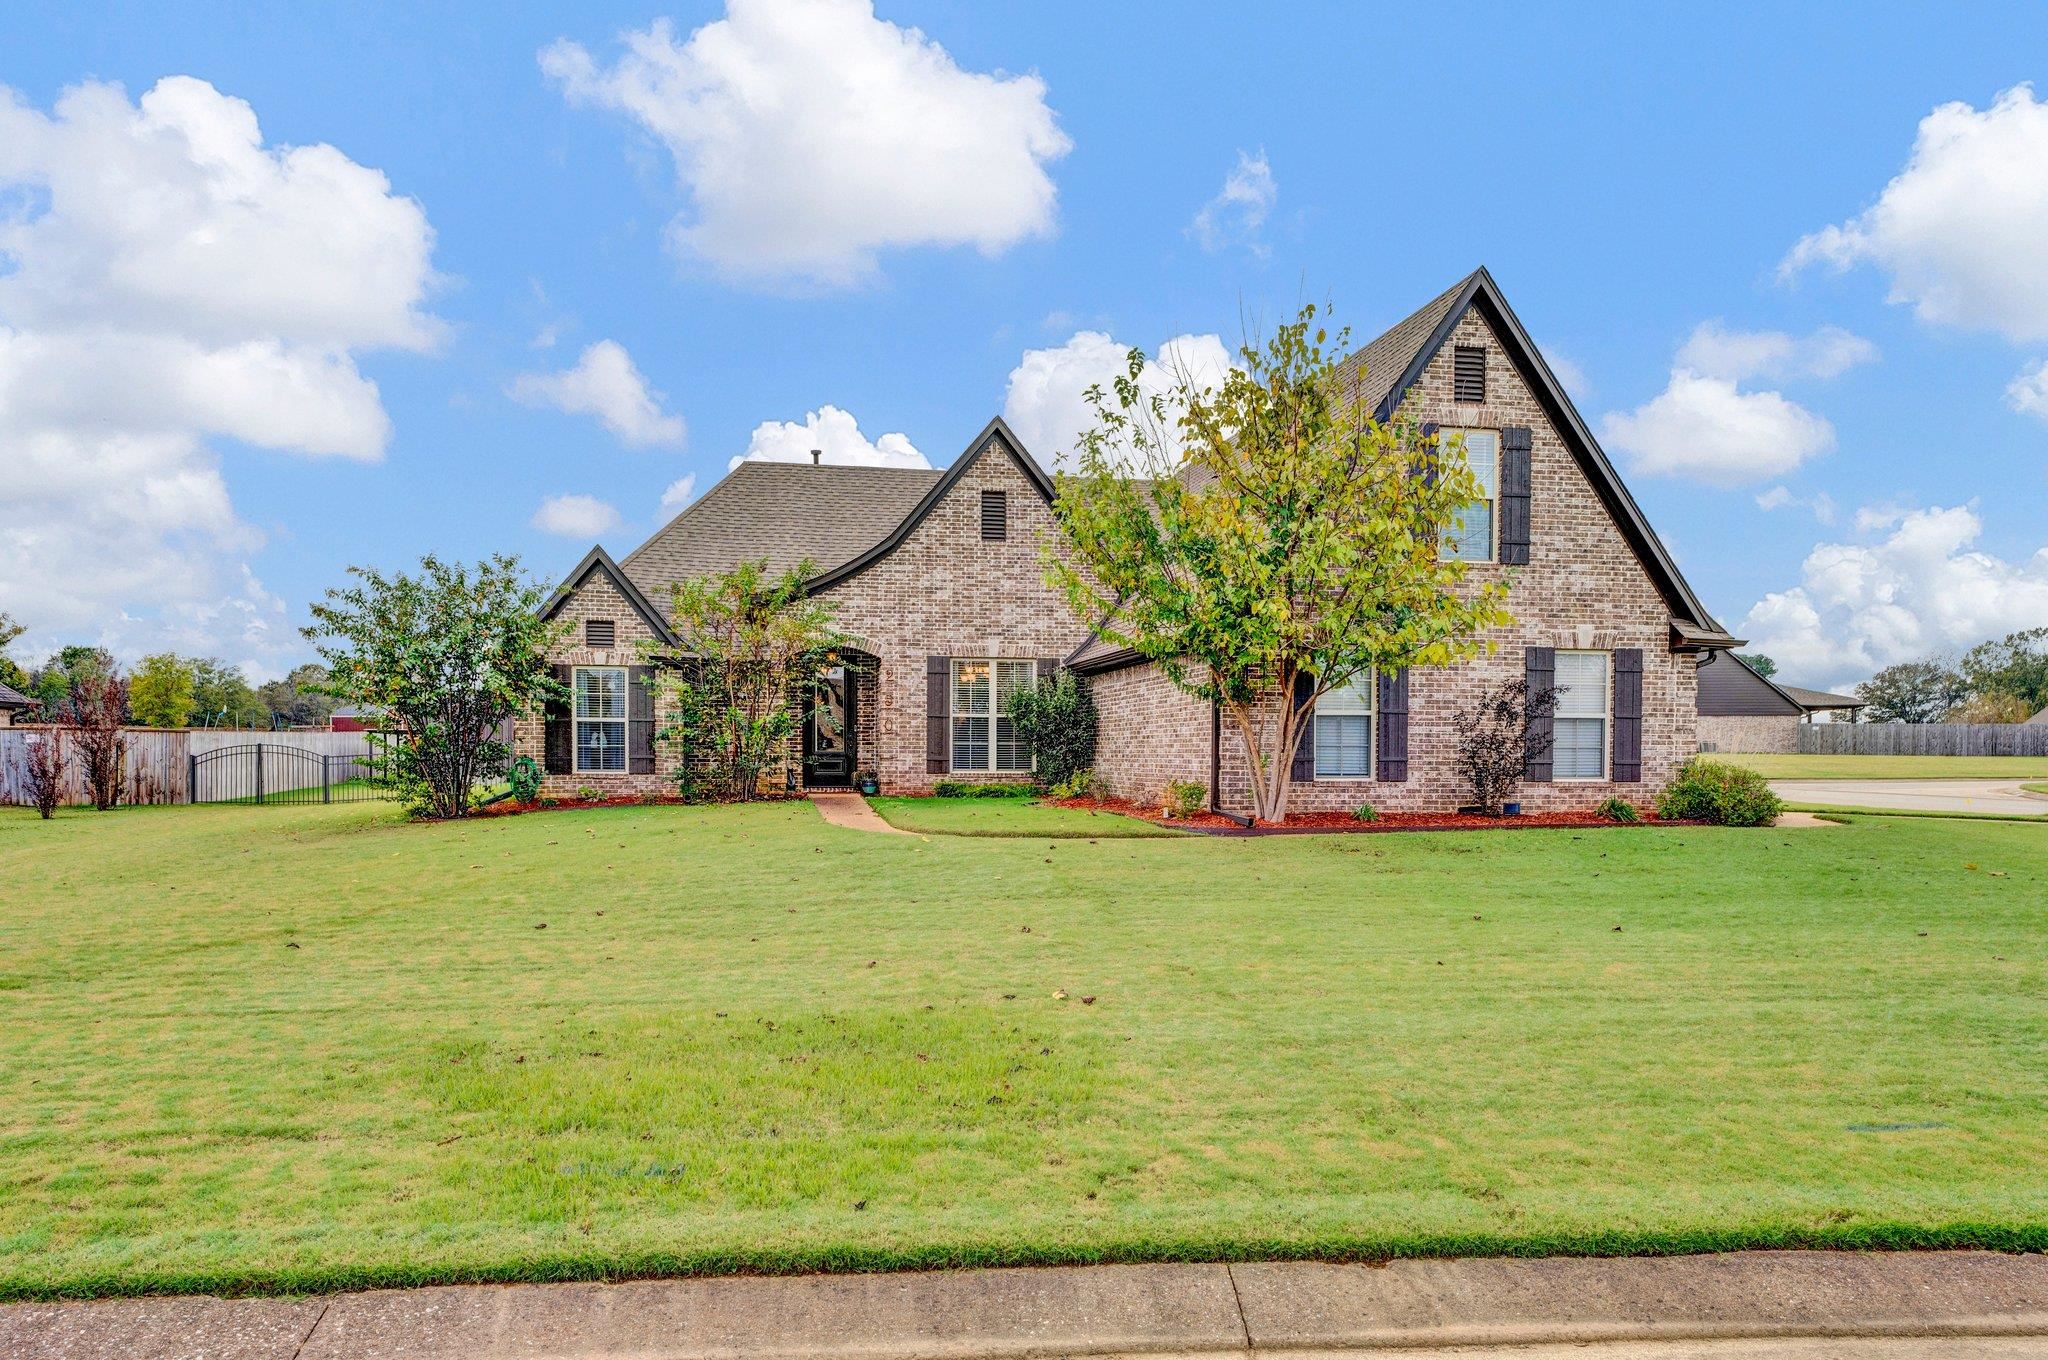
<point>2005,797</point>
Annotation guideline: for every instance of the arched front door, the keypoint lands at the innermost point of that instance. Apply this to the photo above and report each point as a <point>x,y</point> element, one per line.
<point>830,753</point>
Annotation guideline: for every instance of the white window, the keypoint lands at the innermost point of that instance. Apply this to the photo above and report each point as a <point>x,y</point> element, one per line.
<point>1470,537</point>
<point>984,740</point>
<point>1344,731</point>
<point>600,719</point>
<point>1579,750</point>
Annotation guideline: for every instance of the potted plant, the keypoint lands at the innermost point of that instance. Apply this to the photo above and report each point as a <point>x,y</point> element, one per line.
<point>867,784</point>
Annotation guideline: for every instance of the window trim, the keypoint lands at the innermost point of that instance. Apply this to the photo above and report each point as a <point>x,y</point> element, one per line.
<point>994,714</point>
<point>624,720</point>
<point>1606,775</point>
<point>1370,677</point>
<point>1493,501</point>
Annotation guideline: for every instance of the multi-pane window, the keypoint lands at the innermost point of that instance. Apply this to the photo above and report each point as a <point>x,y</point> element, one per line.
<point>1344,731</point>
<point>600,719</point>
<point>1579,725</point>
<point>984,739</point>
<point>1470,537</point>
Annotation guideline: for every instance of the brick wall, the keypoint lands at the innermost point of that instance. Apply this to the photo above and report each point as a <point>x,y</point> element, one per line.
<point>598,598</point>
<point>1150,732</point>
<point>1776,733</point>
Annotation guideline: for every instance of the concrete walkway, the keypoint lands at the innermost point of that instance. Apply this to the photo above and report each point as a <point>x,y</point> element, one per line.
<point>851,811</point>
<point>2004,797</point>
<point>1774,1305</point>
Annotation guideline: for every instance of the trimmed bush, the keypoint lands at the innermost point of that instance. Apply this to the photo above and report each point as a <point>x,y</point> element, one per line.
<point>1186,797</point>
<point>1619,810</point>
<point>1079,784</point>
<point>1057,720</point>
<point>1718,793</point>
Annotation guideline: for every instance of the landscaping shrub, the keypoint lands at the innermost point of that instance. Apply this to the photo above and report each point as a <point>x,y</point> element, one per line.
<point>1057,719</point>
<point>1496,740</point>
<point>1619,810</point>
<point>1186,797</point>
<point>99,708</point>
<point>1079,784</point>
<point>45,768</point>
<point>1718,793</point>
<point>954,788</point>
<point>1365,812</point>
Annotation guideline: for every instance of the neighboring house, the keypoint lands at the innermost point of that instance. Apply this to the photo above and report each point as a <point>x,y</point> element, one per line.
<point>349,718</point>
<point>2039,719</point>
<point>1741,709</point>
<point>937,580</point>
<point>13,701</point>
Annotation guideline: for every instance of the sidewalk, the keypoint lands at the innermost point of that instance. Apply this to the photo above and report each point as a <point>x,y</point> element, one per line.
<point>1752,1305</point>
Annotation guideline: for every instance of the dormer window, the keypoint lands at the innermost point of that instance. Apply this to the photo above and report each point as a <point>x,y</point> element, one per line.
<point>995,516</point>
<point>1468,373</point>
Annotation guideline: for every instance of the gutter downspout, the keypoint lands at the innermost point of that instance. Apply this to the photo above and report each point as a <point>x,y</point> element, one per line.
<point>1216,766</point>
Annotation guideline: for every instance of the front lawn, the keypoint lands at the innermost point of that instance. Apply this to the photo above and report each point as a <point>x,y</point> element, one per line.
<point>296,1048</point>
<point>1887,767</point>
<point>1025,817</point>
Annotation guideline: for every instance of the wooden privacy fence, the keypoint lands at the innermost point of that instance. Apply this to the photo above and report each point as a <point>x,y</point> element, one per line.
<point>1923,739</point>
<point>160,763</point>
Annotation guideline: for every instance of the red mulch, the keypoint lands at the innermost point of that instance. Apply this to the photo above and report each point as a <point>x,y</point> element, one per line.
<point>508,808</point>
<point>1301,822</point>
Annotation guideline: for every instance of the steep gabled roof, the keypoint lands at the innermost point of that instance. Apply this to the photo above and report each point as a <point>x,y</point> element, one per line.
<point>14,698</point>
<point>997,430</point>
<point>600,561</point>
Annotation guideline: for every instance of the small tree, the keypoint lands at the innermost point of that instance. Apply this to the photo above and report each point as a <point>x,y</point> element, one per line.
<point>1057,719</point>
<point>99,709</point>
<point>1912,692</point>
<point>1497,740</point>
<point>160,694</point>
<point>44,762</point>
<point>747,644</point>
<point>1298,536</point>
<point>11,673</point>
<point>1759,663</point>
<point>452,655</point>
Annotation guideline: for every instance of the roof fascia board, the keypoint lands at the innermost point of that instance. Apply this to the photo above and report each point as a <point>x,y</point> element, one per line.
<point>597,559</point>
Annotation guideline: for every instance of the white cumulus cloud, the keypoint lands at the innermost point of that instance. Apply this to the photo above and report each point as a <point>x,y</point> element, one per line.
<point>1917,588</point>
<point>604,383</point>
<point>836,435</point>
<point>1958,231</point>
<point>1046,402</point>
<point>575,516</point>
<point>165,278</point>
<point>809,136</point>
<point>1780,497</point>
<point>679,493</point>
<point>2028,391</point>
<point>1239,209</point>
<point>1714,350</point>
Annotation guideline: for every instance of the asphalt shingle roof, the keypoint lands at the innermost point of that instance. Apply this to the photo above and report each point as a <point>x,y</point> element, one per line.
<point>14,698</point>
<point>784,512</point>
<point>1820,698</point>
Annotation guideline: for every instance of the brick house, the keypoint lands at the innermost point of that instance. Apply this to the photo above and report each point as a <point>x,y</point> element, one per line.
<point>937,580</point>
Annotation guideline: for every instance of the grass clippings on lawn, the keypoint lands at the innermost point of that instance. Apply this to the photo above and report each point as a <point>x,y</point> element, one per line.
<point>315,1048</point>
<point>1886,767</point>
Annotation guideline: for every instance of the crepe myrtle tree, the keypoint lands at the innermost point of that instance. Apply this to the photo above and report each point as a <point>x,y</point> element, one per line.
<point>1243,534</point>
<point>450,654</point>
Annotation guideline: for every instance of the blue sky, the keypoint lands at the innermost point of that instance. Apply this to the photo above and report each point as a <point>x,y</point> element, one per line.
<point>393,353</point>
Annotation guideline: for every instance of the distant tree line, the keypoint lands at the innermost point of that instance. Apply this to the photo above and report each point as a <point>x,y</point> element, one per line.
<point>2005,681</point>
<point>166,690</point>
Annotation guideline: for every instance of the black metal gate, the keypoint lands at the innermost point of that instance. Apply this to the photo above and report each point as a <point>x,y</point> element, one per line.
<point>267,773</point>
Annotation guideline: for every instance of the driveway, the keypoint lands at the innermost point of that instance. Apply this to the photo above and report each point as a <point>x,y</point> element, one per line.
<point>2004,797</point>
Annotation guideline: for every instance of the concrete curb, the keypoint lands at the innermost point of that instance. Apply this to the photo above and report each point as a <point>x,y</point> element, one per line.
<point>1749,1304</point>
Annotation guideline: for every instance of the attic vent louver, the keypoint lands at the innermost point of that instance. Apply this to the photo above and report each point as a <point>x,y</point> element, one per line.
<point>995,515</point>
<point>1468,373</point>
<point>600,632</point>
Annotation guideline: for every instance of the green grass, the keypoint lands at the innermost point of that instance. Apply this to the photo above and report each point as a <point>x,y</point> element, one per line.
<point>1887,767</point>
<point>2035,788</point>
<point>309,1048</point>
<point>1014,817</point>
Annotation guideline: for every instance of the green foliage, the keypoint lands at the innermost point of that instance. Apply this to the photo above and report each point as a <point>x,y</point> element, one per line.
<point>1079,784</point>
<point>160,691</point>
<point>524,776</point>
<point>1186,797</point>
<point>1365,812</point>
<point>11,673</point>
<point>750,648</point>
<point>1718,793</point>
<point>1759,663</point>
<point>1619,810</point>
<point>451,655</point>
<point>298,700</point>
<point>221,696</point>
<point>954,788</point>
<point>55,684</point>
<point>1305,540</point>
<point>1912,692</point>
<point>1057,719</point>
<point>2015,666</point>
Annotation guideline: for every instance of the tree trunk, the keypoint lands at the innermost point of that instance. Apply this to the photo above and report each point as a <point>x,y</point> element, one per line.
<point>1271,766</point>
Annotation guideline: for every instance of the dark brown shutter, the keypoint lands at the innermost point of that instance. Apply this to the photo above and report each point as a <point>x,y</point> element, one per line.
<point>1048,669</point>
<point>558,744</point>
<point>1628,715</point>
<point>1540,670</point>
<point>639,720</point>
<point>938,712</point>
<point>1392,717</point>
<point>1514,495</point>
<point>1304,767</point>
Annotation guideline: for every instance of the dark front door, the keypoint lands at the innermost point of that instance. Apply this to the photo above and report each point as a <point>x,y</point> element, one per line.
<point>829,744</point>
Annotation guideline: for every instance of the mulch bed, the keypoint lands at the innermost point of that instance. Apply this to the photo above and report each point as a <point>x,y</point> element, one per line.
<point>1304,823</point>
<point>508,808</point>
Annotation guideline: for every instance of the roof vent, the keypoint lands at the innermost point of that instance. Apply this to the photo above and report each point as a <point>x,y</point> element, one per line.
<point>817,457</point>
